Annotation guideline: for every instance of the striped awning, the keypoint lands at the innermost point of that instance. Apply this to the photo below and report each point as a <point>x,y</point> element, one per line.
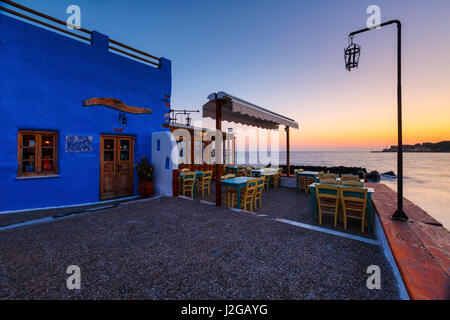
<point>243,112</point>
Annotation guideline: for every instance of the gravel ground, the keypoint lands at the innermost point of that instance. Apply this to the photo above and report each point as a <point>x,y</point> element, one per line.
<point>172,248</point>
<point>289,204</point>
<point>18,217</point>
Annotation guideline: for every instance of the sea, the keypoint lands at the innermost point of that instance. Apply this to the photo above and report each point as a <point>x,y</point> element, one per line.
<point>426,180</point>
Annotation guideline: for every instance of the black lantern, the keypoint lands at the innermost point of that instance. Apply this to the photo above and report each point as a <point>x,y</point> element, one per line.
<point>188,120</point>
<point>352,53</point>
<point>123,119</point>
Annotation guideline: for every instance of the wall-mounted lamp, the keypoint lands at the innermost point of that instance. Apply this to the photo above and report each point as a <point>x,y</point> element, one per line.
<point>123,119</point>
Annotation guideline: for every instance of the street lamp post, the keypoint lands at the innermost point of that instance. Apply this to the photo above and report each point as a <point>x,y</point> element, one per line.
<point>351,61</point>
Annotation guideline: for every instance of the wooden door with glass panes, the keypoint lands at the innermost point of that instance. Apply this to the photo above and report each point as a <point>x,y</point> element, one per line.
<point>116,166</point>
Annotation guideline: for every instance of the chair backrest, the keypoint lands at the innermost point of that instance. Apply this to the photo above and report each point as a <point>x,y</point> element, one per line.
<point>260,184</point>
<point>352,183</point>
<point>185,170</point>
<point>228,176</point>
<point>329,181</point>
<point>328,176</point>
<point>298,170</point>
<point>266,179</point>
<point>207,175</point>
<point>188,178</point>
<point>327,191</point>
<point>251,187</point>
<point>353,194</point>
<point>347,177</point>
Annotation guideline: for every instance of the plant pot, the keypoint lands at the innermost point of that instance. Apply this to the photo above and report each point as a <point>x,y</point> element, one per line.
<point>145,189</point>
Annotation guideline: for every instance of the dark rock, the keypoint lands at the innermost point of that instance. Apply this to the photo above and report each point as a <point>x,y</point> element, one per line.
<point>337,170</point>
<point>362,175</point>
<point>389,173</point>
<point>373,176</point>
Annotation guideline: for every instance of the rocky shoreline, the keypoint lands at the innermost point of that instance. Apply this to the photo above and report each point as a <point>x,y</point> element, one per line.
<point>372,176</point>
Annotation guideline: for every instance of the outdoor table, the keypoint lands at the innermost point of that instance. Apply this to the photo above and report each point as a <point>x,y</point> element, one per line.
<point>237,183</point>
<point>339,179</point>
<point>260,172</point>
<point>232,169</point>
<point>197,174</point>
<point>314,204</point>
<point>311,174</point>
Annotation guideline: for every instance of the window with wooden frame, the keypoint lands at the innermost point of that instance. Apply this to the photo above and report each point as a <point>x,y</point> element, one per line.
<point>36,153</point>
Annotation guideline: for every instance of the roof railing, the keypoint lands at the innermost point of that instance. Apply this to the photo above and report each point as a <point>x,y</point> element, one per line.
<point>155,60</point>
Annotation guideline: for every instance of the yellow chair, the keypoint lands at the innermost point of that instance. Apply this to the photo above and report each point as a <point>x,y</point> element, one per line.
<point>188,183</point>
<point>329,181</point>
<point>352,183</point>
<point>185,170</point>
<point>275,181</point>
<point>266,182</point>
<point>247,195</point>
<point>298,170</point>
<point>248,171</point>
<point>300,182</point>
<point>230,194</point>
<point>228,176</point>
<point>258,192</point>
<point>354,202</point>
<point>349,177</point>
<point>307,181</point>
<point>204,182</point>
<point>328,176</point>
<point>327,200</point>
<point>241,171</point>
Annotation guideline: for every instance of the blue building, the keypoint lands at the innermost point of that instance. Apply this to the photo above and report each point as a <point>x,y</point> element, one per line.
<point>76,113</point>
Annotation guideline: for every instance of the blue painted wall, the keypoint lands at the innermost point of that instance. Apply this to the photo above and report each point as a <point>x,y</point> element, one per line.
<point>44,79</point>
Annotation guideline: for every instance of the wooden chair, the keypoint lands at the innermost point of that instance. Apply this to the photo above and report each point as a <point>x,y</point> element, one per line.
<point>329,181</point>
<point>258,192</point>
<point>349,177</point>
<point>185,170</point>
<point>298,170</point>
<point>306,182</point>
<point>300,182</point>
<point>247,195</point>
<point>204,182</point>
<point>248,171</point>
<point>328,176</point>
<point>352,183</point>
<point>327,200</point>
<point>275,181</point>
<point>266,182</point>
<point>354,202</point>
<point>188,183</point>
<point>241,171</point>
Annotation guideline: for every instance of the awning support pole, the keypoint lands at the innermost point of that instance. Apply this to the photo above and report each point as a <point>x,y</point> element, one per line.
<point>218,153</point>
<point>288,155</point>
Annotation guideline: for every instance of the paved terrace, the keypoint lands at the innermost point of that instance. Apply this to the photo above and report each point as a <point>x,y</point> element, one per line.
<point>173,248</point>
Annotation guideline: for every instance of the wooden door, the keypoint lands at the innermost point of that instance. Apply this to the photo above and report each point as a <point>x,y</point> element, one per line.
<point>116,166</point>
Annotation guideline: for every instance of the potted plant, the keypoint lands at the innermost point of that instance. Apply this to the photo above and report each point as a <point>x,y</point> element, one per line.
<point>144,171</point>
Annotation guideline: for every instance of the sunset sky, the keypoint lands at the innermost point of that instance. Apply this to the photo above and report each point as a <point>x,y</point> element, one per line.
<point>287,56</point>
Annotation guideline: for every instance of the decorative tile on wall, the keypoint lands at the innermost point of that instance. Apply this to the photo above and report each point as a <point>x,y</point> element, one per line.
<point>78,143</point>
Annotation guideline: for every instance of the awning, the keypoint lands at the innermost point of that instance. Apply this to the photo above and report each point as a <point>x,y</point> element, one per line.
<point>243,112</point>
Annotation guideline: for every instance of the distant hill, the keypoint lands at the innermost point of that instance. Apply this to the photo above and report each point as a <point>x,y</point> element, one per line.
<point>443,146</point>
